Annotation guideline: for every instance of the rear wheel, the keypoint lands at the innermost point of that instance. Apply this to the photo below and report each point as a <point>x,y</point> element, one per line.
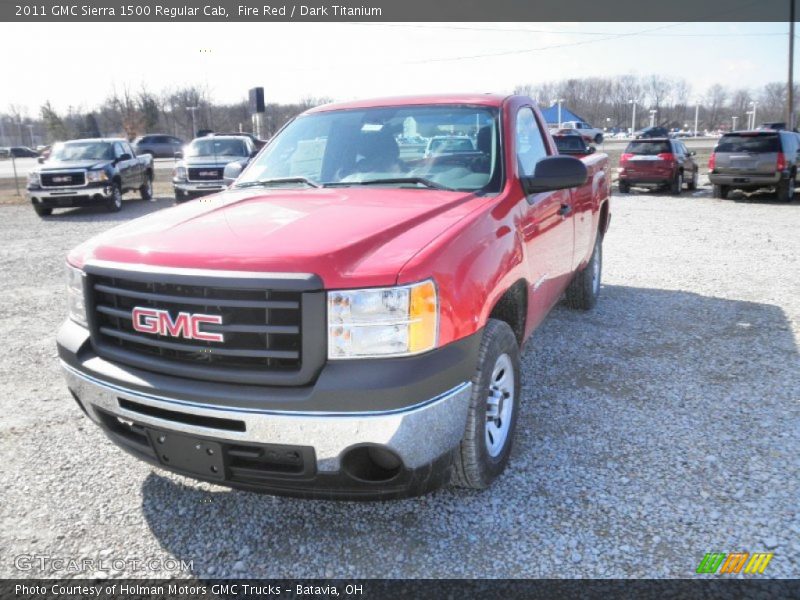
<point>114,202</point>
<point>693,182</point>
<point>146,189</point>
<point>624,187</point>
<point>720,191</point>
<point>583,291</point>
<point>42,211</point>
<point>676,186</point>
<point>785,190</point>
<point>598,139</point>
<point>483,452</point>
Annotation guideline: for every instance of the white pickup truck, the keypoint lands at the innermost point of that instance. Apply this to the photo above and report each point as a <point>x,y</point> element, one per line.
<point>589,133</point>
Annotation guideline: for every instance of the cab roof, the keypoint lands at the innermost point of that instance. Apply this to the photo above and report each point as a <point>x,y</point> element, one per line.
<point>493,100</point>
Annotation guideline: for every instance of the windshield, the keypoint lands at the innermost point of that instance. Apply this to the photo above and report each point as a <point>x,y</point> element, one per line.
<point>648,148</point>
<point>749,143</point>
<point>82,151</point>
<point>216,147</point>
<point>455,147</point>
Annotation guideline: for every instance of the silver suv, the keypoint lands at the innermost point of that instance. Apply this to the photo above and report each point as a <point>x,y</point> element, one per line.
<point>749,160</point>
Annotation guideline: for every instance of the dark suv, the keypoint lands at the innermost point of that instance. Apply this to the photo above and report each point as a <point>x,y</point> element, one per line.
<point>651,132</point>
<point>657,162</point>
<point>158,146</point>
<point>749,160</point>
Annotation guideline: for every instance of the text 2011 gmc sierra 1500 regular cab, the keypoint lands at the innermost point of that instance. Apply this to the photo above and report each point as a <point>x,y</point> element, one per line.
<point>345,320</point>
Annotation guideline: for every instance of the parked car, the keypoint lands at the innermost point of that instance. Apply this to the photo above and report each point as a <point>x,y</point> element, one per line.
<point>573,144</point>
<point>343,322</point>
<point>589,133</point>
<point>158,145</point>
<point>658,162</point>
<point>201,168</point>
<point>749,160</point>
<point>773,125</point>
<point>5,152</point>
<point>651,132</point>
<point>23,152</point>
<point>89,172</point>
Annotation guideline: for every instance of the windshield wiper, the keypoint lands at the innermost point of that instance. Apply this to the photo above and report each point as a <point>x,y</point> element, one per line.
<point>389,180</point>
<point>278,181</point>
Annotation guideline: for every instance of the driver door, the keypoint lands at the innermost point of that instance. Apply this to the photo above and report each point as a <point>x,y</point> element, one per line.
<point>548,224</point>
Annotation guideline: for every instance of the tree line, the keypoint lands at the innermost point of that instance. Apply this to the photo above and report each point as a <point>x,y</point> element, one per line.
<point>607,101</point>
<point>129,113</point>
<point>602,101</point>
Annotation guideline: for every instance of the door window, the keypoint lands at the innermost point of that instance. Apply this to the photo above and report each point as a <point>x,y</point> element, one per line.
<point>530,143</point>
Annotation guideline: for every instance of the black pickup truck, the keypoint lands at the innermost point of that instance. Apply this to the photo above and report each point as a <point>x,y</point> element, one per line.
<point>88,173</point>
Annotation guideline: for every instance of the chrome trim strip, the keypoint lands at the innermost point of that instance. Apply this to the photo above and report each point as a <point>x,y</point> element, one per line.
<point>191,272</point>
<point>153,397</point>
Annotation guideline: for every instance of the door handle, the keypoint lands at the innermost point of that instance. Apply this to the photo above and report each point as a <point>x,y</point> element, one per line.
<point>565,209</point>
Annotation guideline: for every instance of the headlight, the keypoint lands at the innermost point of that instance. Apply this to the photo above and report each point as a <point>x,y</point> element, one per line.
<point>395,321</point>
<point>95,176</point>
<point>179,174</point>
<point>33,178</point>
<point>75,299</point>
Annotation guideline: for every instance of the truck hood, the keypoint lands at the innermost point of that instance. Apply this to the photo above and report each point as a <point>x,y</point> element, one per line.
<point>350,237</point>
<point>52,165</point>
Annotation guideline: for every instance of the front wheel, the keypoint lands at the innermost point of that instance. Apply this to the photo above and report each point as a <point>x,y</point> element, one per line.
<point>584,289</point>
<point>114,202</point>
<point>42,211</point>
<point>624,187</point>
<point>598,139</point>
<point>694,181</point>
<point>483,453</point>
<point>785,190</point>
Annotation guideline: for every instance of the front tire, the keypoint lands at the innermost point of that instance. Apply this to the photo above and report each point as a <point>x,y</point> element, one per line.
<point>42,211</point>
<point>785,190</point>
<point>114,202</point>
<point>693,183</point>
<point>598,139</point>
<point>485,448</point>
<point>624,187</point>
<point>584,290</point>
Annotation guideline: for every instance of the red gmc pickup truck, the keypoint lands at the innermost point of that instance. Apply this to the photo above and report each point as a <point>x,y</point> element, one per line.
<point>346,319</point>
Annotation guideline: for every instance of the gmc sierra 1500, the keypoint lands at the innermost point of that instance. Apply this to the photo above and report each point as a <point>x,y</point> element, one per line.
<point>346,319</point>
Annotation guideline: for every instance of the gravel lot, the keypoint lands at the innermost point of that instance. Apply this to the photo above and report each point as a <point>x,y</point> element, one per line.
<point>661,426</point>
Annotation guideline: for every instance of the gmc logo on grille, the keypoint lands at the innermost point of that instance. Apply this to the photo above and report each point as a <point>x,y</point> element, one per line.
<point>207,174</point>
<point>186,325</point>
<point>62,179</point>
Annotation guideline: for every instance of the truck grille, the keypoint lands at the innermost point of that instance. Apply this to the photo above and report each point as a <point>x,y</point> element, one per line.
<point>205,174</point>
<point>261,327</point>
<point>73,178</point>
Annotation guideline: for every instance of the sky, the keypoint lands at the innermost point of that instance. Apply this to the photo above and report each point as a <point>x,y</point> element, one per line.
<point>78,64</point>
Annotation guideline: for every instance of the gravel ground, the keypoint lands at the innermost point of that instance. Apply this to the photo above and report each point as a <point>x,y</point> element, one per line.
<point>660,426</point>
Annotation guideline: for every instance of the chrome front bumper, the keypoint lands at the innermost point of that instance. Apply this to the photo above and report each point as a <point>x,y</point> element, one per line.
<point>418,434</point>
<point>103,192</point>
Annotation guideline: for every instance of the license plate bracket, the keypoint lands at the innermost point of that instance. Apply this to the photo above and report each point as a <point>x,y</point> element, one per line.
<point>188,453</point>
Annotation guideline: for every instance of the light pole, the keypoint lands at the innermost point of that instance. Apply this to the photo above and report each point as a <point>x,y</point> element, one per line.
<point>734,119</point>
<point>559,101</point>
<point>30,131</point>
<point>192,109</point>
<point>755,106</point>
<point>696,117</point>
<point>749,114</point>
<point>633,118</point>
<point>653,112</point>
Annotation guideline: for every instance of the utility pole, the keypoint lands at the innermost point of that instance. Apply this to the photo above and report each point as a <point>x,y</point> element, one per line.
<point>696,116</point>
<point>734,119</point>
<point>633,118</point>
<point>790,91</point>
<point>193,109</point>
<point>653,117</point>
<point>755,104</point>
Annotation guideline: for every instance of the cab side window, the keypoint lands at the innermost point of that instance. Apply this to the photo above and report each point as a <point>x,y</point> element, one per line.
<point>118,150</point>
<point>529,141</point>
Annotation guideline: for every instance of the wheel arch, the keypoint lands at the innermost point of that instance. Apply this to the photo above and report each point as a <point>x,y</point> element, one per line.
<point>512,308</point>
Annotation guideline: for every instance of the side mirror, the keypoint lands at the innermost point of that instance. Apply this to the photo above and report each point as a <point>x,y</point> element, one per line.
<point>40,160</point>
<point>555,173</point>
<point>178,155</point>
<point>124,157</point>
<point>231,172</point>
<point>692,153</point>
<point>592,149</point>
